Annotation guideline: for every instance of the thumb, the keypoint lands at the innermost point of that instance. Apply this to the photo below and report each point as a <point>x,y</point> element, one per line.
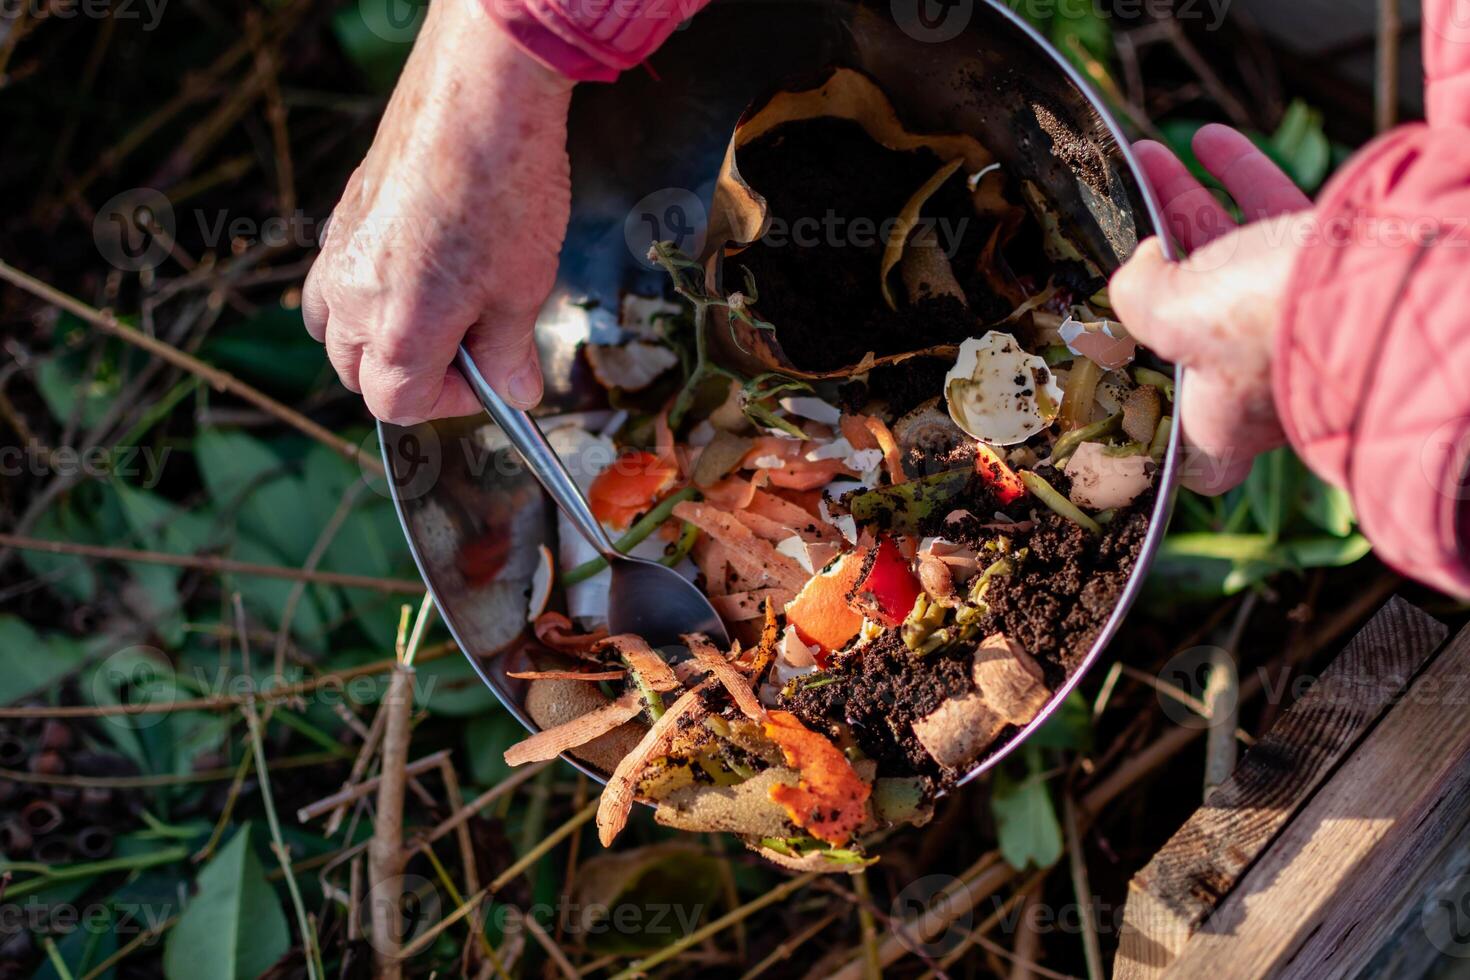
<point>506,355</point>
<point>1169,306</point>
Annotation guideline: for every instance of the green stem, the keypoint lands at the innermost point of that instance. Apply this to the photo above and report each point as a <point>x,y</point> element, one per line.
<point>48,875</point>
<point>701,366</point>
<point>1068,442</point>
<point>57,963</point>
<point>651,698</point>
<point>634,535</point>
<point>314,968</point>
<point>1053,499</point>
<point>683,546</point>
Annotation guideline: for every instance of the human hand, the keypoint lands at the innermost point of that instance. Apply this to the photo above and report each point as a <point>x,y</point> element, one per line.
<point>1217,311</point>
<point>450,228</point>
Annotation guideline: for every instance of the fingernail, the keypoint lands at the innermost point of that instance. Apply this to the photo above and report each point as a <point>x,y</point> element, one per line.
<point>524,385</point>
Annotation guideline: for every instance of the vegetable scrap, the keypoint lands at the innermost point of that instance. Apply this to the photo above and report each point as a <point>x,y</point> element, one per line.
<point>913,476</point>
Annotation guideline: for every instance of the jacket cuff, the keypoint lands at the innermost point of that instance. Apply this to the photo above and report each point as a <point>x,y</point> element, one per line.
<point>1369,366</point>
<point>590,40</point>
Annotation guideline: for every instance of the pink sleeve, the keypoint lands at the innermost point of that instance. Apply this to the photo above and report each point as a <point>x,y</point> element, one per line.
<point>1372,373</point>
<point>590,40</point>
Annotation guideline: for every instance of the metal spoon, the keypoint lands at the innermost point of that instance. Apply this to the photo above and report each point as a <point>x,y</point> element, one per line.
<point>645,598</point>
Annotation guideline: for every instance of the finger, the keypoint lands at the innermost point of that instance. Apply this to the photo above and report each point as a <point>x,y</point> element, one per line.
<point>506,355</point>
<point>1223,433</point>
<point>397,392</point>
<point>345,355</point>
<point>1191,213</point>
<point>314,311</point>
<point>1211,476</point>
<point>1260,187</point>
<point>1141,292</point>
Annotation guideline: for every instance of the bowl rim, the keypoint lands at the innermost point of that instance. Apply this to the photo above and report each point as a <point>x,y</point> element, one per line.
<point>1159,518</point>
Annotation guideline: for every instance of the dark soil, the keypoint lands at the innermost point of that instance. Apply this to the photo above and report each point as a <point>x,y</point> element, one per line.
<point>1054,606</point>
<point>831,192</point>
<point>881,691</point>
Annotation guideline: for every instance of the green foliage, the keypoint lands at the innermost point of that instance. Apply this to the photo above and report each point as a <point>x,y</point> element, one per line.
<point>1283,518</point>
<point>1078,28</point>
<point>1025,818</point>
<point>34,664</point>
<point>640,900</point>
<point>270,350</point>
<point>234,926</point>
<point>1299,146</point>
<point>377,36</point>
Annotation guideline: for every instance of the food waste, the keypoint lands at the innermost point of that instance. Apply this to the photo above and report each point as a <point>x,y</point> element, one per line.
<point>912,473</point>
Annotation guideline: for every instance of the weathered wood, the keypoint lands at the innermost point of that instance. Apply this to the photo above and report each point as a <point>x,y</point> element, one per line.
<point>1172,897</point>
<point>1334,887</point>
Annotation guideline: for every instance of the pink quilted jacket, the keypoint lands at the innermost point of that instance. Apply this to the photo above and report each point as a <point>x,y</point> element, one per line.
<point>1372,375</point>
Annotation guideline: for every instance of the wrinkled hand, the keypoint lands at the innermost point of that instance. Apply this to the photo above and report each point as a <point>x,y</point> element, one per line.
<point>1217,311</point>
<point>450,228</point>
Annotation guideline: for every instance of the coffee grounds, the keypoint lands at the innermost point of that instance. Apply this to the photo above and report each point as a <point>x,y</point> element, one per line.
<point>880,691</point>
<point>1054,605</point>
<point>832,192</point>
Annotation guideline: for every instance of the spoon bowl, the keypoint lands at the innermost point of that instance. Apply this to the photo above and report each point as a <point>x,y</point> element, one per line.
<point>644,597</point>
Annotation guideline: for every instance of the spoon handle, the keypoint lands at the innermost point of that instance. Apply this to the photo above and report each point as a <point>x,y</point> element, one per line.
<point>542,460</point>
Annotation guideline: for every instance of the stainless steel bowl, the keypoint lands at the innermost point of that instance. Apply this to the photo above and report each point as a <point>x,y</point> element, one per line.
<point>645,152</point>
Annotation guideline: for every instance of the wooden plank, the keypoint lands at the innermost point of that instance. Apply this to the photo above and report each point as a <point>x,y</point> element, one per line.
<point>1332,890</point>
<point>1191,875</point>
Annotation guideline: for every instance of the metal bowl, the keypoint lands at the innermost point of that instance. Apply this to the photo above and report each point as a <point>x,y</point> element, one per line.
<point>645,152</point>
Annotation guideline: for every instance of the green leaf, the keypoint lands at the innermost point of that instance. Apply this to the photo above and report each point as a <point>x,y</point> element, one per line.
<point>1325,552</point>
<point>66,387</point>
<point>486,738</point>
<point>1301,145</point>
<point>33,663</point>
<point>1230,547</point>
<point>1271,489</point>
<point>271,350</point>
<point>70,575</point>
<point>246,477</point>
<point>1328,507</point>
<point>377,36</point>
<point>1069,728</point>
<point>1025,821</point>
<point>93,940</point>
<point>234,926</point>
<point>449,686</point>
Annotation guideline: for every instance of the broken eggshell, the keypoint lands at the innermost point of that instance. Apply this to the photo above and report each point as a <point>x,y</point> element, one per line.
<point>998,393</point>
<point>1103,481</point>
<point>632,366</point>
<point>1104,342</point>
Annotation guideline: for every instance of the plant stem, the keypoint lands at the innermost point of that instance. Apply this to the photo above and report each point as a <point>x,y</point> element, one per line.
<point>386,853</point>
<point>314,969</point>
<point>57,963</point>
<point>47,875</point>
<point>641,967</point>
<point>683,546</point>
<point>634,535</point>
